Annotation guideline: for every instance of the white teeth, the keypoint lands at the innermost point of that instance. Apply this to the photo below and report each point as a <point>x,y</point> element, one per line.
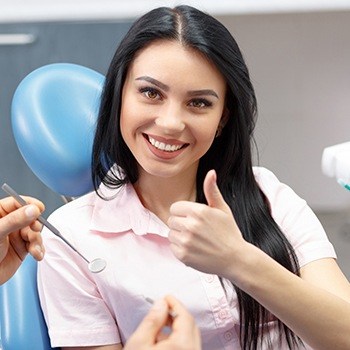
<point>163,146</point>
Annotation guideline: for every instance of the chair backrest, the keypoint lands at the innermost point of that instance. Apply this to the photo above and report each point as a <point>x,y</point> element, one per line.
<point>22,323</point>
<point>53,115</point>
<point>54,111</point>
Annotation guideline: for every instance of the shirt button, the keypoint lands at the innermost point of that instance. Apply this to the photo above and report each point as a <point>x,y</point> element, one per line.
<point>228,336</point>
<point>223,314</point>
<point>209,279</point>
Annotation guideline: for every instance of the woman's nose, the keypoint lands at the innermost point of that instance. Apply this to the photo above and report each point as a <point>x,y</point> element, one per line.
<point>170,120</point>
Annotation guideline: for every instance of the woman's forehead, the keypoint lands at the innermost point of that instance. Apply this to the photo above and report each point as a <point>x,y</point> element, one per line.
<point>165,59</point>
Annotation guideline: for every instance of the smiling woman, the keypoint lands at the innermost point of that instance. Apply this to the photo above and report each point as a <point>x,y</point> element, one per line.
<point>178,208</point>
<point>170,116</point>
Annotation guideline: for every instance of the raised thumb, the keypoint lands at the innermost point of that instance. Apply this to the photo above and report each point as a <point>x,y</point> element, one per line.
<point>212,192</point>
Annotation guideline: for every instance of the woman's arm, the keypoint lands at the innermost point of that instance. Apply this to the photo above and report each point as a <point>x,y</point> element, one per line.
<point>316,306</point>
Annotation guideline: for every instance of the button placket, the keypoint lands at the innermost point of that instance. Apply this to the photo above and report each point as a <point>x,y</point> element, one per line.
<point>221,311</point>
<point>209,278</point>
<point>228,336</point>
<point>223,314</point>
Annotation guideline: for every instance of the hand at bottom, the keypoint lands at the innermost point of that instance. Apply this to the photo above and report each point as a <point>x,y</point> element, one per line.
<point>185,334</point>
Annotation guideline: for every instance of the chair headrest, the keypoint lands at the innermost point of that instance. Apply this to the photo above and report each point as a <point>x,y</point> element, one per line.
<point>54,112</point>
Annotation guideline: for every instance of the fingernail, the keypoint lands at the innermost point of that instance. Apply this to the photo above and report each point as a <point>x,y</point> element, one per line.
<point>31,211</point>
<point>39,249</point>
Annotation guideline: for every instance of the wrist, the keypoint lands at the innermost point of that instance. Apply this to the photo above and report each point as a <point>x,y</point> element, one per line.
<point>247,267</point>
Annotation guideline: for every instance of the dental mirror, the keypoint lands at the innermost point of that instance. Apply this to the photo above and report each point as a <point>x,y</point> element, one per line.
<point>95,266</point>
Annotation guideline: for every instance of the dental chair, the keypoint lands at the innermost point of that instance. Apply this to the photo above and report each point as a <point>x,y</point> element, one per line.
<point>54,111</point>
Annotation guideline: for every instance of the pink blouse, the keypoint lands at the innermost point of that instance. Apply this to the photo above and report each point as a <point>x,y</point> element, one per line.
<point>86,309</point>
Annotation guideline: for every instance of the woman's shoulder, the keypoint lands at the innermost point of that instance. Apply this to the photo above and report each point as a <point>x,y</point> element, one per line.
<point>263,174</point>
<point>74,207</point>
<point>266,179</point>
<point>295,218</point>
<point>279,194</point>
<point>85,204</point>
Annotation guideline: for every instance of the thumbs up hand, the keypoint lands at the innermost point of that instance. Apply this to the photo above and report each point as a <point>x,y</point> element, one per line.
<point>205,237</point>
<point>213,194</point>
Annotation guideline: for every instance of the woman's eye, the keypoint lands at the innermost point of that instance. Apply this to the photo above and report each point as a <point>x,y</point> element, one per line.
<point>150,93</point>
<point>200,103</point>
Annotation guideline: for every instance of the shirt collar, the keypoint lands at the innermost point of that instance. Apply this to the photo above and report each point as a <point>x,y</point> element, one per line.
<point>123,211</point>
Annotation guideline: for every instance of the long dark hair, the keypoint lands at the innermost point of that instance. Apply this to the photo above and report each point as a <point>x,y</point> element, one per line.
<point>236,180</point>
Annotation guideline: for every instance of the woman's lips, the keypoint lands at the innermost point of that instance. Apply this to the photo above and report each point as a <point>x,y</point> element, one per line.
<point>164,148</point>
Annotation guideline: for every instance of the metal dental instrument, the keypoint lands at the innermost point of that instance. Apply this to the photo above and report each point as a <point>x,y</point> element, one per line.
<point>171,313</point>
<point>95,266</point>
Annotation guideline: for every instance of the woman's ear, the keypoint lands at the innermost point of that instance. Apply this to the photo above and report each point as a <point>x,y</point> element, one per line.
<point>222,123</point>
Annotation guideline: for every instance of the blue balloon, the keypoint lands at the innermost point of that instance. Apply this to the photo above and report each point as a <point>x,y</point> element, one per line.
<point>54,112</point>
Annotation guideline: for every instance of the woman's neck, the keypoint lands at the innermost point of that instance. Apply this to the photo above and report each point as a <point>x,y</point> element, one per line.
<point>157,194</point>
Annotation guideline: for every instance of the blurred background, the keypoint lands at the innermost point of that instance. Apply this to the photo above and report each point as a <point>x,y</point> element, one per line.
<point>298,53</point>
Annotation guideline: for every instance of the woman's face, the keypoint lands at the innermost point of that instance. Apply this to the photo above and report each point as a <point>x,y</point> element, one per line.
<point>172,103</point>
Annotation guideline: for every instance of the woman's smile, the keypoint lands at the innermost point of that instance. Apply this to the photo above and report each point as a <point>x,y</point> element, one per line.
<point>167,147</point>
<point>163,148</point>
<point>173,101</point>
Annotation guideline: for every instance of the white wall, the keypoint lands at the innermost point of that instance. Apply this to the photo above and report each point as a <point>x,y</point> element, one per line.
<point>63,10</point>
<point>300,65</point>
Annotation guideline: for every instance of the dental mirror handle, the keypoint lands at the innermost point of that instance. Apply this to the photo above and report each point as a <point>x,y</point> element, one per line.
<point>41,219</point>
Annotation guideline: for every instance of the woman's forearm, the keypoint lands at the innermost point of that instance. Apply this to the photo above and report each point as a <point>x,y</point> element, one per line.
<point>319,317</point>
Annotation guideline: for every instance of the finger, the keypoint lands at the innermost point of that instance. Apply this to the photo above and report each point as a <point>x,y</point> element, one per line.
<point>18,219</point>
<point>179,223</point>
<point>212,192</point>
<point>184,326</point>
<point>35,245</point>
<point>177,307</point>
<point>185,208</point>
<point>178,248</point>
<point>10,204</point>
<point>36,226</point>
<point>18,245</point>
<point>149,328</point>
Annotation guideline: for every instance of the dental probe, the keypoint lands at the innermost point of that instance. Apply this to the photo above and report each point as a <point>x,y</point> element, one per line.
<point>95,266</point>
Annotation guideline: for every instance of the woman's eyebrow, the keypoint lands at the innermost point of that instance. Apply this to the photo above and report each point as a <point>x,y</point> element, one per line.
<point>166,87</point>
<point>203,92</point>
<point>154,82</point>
